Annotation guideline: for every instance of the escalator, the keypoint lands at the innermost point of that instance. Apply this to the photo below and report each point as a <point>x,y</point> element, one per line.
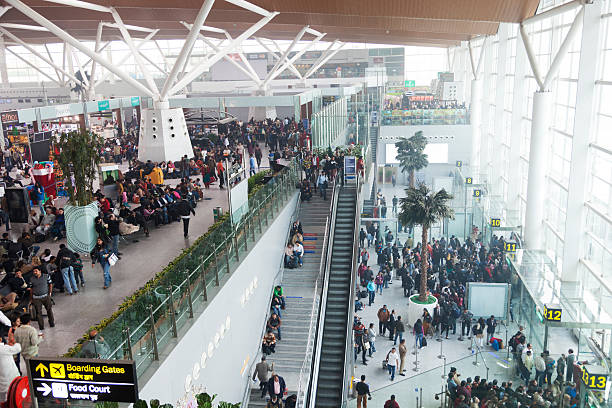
<point>333,345</point>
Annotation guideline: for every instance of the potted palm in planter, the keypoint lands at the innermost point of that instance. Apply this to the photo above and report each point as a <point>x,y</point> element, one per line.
<point>79,159</point>
<point>423,207</point>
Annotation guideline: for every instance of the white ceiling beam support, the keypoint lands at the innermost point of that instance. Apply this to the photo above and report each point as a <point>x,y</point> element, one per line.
<point>43,73</point>
<point>139,60</point>
<point>92,86</point>
<point>57,73</point>
<point>162,55</point>
<point>285,65</point>
<point>63,35</point>
<point>23,27</point>
<point>130,27</point>
<point>192,75</point>
<point>28,47</point>
<point>297,38</point>
<point>81,4</point>
<point>325,57</point>
<point>249,6</point>
<point>545,81</point>
<point>80,69</point>
<point>255,78</point>
<point>125,58</point>
<point>291,66</point>
<point>555,11</point>
<point>575,28</point>
<point>250,73</point>
<point>187,46</point>
<point>476,65</point>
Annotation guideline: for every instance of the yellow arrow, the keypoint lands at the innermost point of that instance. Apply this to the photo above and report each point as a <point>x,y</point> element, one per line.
<point>42,369</point>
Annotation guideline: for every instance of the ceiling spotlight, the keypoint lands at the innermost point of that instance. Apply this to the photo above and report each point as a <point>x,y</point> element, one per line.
<point>387,32</point>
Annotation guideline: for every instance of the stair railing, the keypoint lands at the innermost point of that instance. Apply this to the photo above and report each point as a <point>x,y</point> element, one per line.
<point>349,366</point>
<point>310,391</point>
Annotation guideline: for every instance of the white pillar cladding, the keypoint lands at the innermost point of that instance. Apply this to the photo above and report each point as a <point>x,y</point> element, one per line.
<point>163,134</point>
<point>540,124</point>
<point>583,126</point>
<point>538,160</point>
<point>485,99</point>
<point>3,70</point>
<point>494,148</point>
<point>476,122</point>
<point>476,107</point>
<point>513,201</point>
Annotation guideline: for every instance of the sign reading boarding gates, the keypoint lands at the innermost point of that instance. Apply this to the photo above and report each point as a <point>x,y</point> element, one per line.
<point>83,379</point>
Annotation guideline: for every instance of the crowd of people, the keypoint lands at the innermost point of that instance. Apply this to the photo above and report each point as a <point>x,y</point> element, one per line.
<point>408,104</point>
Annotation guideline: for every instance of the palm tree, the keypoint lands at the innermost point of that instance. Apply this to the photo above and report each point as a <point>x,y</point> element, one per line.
<point>424,207</point>
<point>410,155</point>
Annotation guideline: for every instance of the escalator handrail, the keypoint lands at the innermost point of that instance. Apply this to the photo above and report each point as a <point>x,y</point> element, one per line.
<point>348,355</point>
<point>310,397</point>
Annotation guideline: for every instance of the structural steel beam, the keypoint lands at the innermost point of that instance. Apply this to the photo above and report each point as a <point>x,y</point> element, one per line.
<point>326,57</point>
<point>224,51</point>
<point>22,7</point>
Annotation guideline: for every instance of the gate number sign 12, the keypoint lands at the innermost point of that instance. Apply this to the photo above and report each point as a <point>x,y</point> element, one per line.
<point>552,313</point>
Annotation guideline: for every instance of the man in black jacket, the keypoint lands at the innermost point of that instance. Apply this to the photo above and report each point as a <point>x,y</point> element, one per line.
<point>185,209</point>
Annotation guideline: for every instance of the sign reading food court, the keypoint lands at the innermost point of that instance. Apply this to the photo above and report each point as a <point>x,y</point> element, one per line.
<point>83,379</point>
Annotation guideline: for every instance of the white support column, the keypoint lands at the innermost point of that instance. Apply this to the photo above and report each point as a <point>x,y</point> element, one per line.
<point>484,121</point>
<point>291,66</point>
<point>540,125</point>
<point>3,70</point>
<point>57,73</point>
<point>583,126</point>
<point>329,54</point>
<point>137,57</point>
<point>28,47</point>
<point>196,72</point>
<point>498,120</point>
<point>29,12</point>
<point>285,65</point>
<point>476,107</point>
<point>536,181</point>
<point>187,46</point>
<point>519,93</point>
<point>43,73</point>
<point>283,57</point>
<point>125,58</point>
<point>91,93</point>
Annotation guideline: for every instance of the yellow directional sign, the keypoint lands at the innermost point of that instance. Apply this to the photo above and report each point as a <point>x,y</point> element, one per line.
<point>57,370</point>
<point>41,369</point>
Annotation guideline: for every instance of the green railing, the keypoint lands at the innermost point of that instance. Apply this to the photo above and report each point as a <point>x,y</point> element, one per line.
<point>144,328</point>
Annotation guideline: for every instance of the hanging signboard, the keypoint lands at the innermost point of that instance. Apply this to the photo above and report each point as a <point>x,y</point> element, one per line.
<point>135,100</point>
<point>9,117</point>
<point>83,379</point>
<point>103,105</point>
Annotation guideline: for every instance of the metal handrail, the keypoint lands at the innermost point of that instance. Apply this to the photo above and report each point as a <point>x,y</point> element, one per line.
<point>306,364</point>
<point>348,356</point>
<point>277,278</point>
<point>310,397</point>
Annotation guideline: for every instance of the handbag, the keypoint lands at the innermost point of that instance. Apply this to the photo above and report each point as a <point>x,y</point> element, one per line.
<point>112,259</point>
<point>366,345</point>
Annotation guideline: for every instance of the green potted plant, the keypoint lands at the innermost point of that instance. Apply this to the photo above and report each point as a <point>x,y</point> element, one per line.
<point>410,155</point>
<point>79,159</point>
<point>423,207</point>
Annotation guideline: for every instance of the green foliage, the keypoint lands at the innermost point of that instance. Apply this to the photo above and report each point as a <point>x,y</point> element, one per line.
<point>204,400</point>
<point>224,404</point>
<point>79,159</point>
<point>257,179</point>
<point>410,154</point>
<point>108,404</point>
<point>424,207</point>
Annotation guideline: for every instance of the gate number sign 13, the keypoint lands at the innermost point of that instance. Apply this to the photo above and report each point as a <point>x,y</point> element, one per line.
<point>596,380</point>
<point>552,313</point>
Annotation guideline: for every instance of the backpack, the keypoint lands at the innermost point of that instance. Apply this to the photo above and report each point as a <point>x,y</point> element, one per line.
<point>456,311</point>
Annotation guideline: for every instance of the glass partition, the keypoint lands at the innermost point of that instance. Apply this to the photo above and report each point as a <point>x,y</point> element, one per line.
<point>156,315</point>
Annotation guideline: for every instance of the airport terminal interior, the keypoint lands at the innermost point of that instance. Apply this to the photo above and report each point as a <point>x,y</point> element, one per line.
<point>313,204</point>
